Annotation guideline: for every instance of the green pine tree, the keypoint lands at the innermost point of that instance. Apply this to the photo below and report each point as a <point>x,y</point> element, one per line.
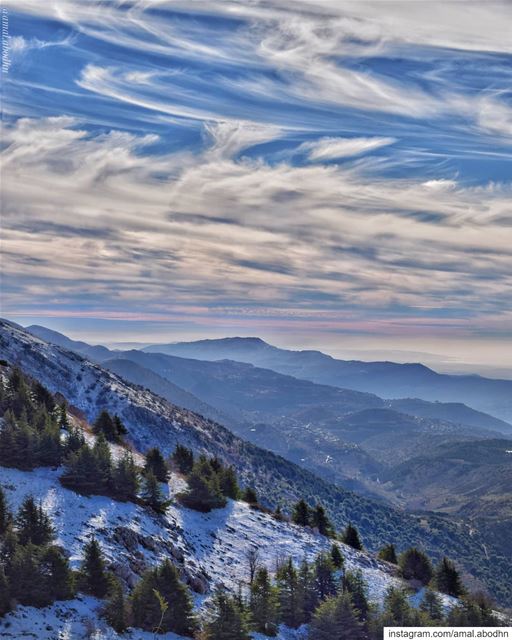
<point>351,537</point>
<point>112,428</point>
<point>301,514</point>
<point>229,621</point>
<point>114,611</point>
<point>335,619</point>
<point>94,578</point>
<point>179,612</point>
<point>356,587</point>
<point>57,573</point>
<point>263,603</point>
<point>49,447</point>
<point>204,492</point>
<point>307,591</point>
<point>156,464</point>
<point>103,424</point>
<point>228,483</point>
<point>183,458</point>
<point>388,554</point>
<point>320,520</point>
<point>119,428</point>
<point>250,496</point>
<point>81,471</point>
<point>103,457</point>
<point>33,524</point>
<point>447,579</point>
<point>8,549</point>
<point>415,565</point>
<point>290,609</point>
<point>8,453</point>
<point>432,605</point>
<point>5,593</point>
<point>160,602</point>
<point>5,516</point>
<point>28,583</point>
<point>324,576</point>
<point>144,603</point>
<point>125,478</point>
<point>42,396</point>
<point>74,442</point>
<point>337,557</point>
<point>18,442</point>
<point>397,610</point>
<point>62,418</point>
<point>152,494</point>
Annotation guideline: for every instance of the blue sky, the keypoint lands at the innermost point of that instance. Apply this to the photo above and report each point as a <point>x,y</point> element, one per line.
<point>327,173</point>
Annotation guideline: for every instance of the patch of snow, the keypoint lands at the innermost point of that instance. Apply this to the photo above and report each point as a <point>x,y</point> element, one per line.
<point>76,619</point>
<point>447,601</point>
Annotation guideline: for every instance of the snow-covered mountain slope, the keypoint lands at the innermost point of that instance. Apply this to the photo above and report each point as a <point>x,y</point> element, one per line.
<point>151,421</point>
<point>209,549</point>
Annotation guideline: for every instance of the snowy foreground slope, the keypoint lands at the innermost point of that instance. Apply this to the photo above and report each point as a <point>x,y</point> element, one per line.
<point>208,548</point>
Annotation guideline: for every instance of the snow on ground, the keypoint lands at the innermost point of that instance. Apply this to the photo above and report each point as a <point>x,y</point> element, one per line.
<point>209,545</point>
<point>76,517</point>
<point>221,539</point>
<point>77,619</point>
<point>447,601</point>
<point>208,548</point>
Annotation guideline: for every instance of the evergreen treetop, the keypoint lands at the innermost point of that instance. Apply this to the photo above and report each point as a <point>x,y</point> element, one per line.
<point>447,579</point>
<point>415,565</point>
<point>229,620</point>
<point>336,618</point>
<point>320,521</point>
<point>336,556</point>
<point>93,572</point>
<point>301,514</point>
<point>156,464</point>
<point>263,603</point>
<point>388,554</point>
<point>33,525</point>
<point>351,537</point>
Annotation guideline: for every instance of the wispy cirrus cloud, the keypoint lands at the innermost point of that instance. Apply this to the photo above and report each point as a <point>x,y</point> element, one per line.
<point>332,148</point>
<point>207,231</point>
<point>185,154</point>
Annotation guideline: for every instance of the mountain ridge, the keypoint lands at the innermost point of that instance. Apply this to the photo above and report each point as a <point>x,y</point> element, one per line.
<point>486,420</point>
<point>384,378</point>
<point>293,417</point>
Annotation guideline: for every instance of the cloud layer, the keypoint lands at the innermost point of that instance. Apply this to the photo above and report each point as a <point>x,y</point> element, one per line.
<point>330,166</point>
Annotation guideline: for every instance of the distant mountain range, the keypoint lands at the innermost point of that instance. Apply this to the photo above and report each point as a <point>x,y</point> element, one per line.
<point>386,379</point>
<point>343,435</point>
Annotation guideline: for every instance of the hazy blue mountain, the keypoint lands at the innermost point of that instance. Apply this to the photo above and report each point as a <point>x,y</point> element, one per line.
<point>256,351</point>
<point>344,436</point>
<point>471,479</point>
<point>95,352</point>
<point>450,411</point>
<point>386,379</point>
<point>391,436</point>
<point>133,372</point>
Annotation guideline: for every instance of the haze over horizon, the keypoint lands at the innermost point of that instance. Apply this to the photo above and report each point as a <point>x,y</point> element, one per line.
<point>353,348</point>
<point>330,175</point>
